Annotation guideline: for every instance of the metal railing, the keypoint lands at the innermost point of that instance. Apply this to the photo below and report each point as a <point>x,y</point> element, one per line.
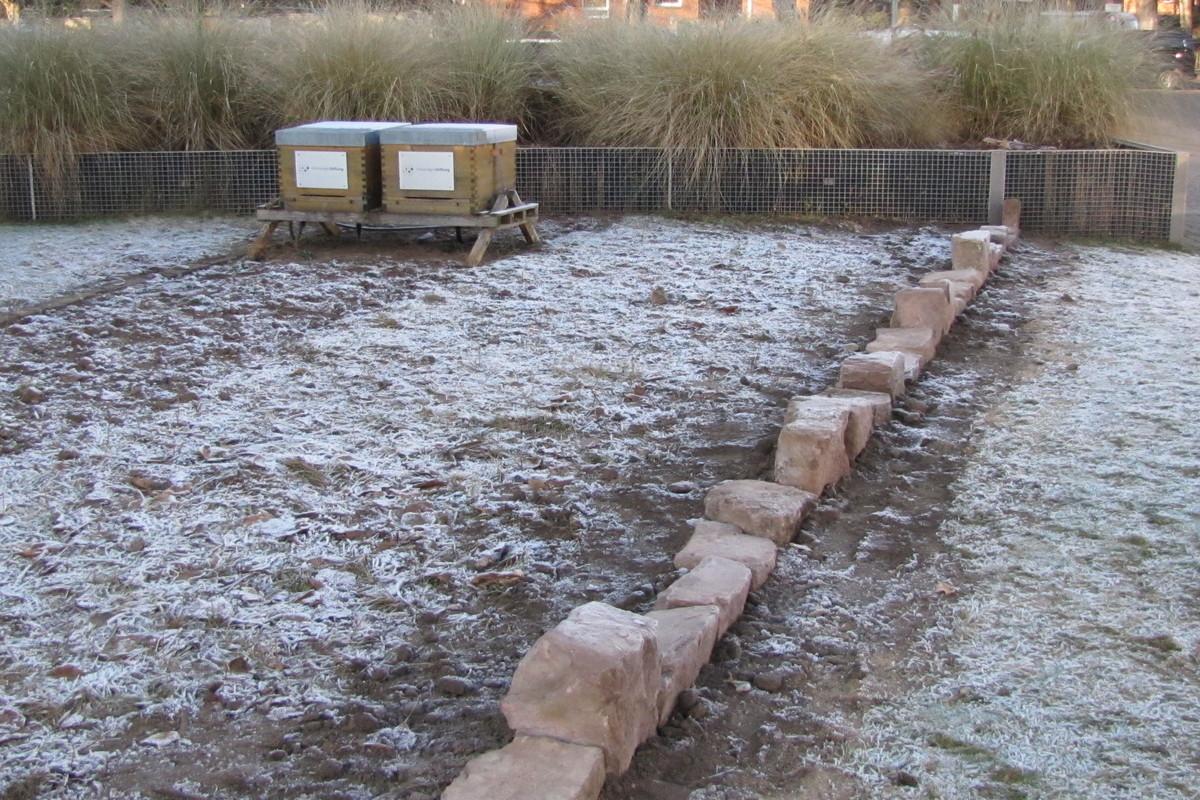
<point>1131,192</point>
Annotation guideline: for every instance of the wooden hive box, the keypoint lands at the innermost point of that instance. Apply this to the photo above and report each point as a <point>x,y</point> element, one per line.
<point>447,168</point>
<point>331,166</point>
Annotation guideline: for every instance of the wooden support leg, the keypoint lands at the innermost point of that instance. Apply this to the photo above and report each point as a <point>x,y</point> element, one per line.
<point>331,229</point>
<point>292,231</point>
<point>358,231</point>
<point>258,248</point>
<point>458,235</point>
<point>300,230</point>
<point>475,257</point>
<point>530,233</point>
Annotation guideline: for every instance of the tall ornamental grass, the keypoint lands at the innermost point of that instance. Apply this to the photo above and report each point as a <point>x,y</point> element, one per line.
<point>705,87</point>
<point>199,84</point>
<point>63,93</point>
<point>1046,79</point>
<point>483,69</point>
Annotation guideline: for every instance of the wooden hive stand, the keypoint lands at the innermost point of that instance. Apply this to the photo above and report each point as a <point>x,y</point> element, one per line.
<point>507,212</point>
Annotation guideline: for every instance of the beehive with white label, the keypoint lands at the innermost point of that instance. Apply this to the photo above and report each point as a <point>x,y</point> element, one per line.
<point>447,168</point>
<point>331,166</point>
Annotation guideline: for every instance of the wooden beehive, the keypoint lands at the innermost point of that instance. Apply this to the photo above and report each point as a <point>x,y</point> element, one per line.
<point>331,166</point>
<point>451,168</point>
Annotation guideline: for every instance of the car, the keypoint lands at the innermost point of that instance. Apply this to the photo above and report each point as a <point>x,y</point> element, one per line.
<point>1173,53</point>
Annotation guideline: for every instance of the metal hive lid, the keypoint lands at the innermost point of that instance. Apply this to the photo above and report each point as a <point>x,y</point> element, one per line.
<point>450,133</point>
<point>334,133</point>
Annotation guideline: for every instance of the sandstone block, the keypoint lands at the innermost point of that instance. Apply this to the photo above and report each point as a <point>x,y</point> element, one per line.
<point>995,253</point>
<point>1011,215</point>
<point>760,508</point>
<point>811,452</point>
<point>960,293</point>
<point>685,638</point>
<point>874,372</point>
<point>716,582</point>
<point>727,541</point>
<point>920,342</point>
<point>970,251</point>
<point>923,308</point>
<point>531,768</point>
<point>593,680</point>
<point>1001,234</point>
<point>879,402</point>
<point>973,278</point>
<point>859,424</point>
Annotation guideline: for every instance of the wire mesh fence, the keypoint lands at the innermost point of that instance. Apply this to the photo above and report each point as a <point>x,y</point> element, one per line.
<point>1125,193</point>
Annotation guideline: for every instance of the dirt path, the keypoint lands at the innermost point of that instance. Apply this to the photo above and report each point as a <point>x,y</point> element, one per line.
<point>1002,601</point>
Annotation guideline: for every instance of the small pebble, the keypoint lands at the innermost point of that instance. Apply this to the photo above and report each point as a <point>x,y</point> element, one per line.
<point>454,685</point>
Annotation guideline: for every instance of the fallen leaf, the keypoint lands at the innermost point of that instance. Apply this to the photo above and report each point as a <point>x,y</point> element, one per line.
<point>161,739</point>
<point>254,519</point>
<point>148,483</point>
<point>498,578</point>
<point>67,671</point>
<point>946,589</point>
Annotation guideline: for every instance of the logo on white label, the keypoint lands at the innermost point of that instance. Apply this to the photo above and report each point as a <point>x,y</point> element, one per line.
<point>427,172</point>
<point>317,169</point>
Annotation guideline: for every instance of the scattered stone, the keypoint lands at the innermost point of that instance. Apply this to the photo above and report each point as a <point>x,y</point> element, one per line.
<point>277,755</point>
<point>68,454</point>
<point>682,487</point>
<point>773,681</point>
<point>531,768</point>
<point>700,711</point>
<point>658,296</point>
<point>874,372</point>
<point>812,451</point>
<point>903,778</point>
<point>455,686</point>
<point>715,581</point>
<point>30,395</point>
<point>727,541</point>
<point>685,640</point>
<point>592,680</point>
<point>760,508</point>
<point>924,307</point>
<point>687,700</point>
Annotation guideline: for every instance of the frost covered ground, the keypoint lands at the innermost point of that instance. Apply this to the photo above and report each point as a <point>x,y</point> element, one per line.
<point>1072,667</point>
<point>284,529</point>
<point>38,262</point>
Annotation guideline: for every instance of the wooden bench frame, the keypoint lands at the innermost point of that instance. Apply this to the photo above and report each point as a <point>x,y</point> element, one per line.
<point>508,211</point>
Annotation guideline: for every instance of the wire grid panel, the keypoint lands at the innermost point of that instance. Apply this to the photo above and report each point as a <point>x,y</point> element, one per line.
<point>575,180</point>
<point>15,183</point>
<point>105,184</point>
<point>1125,194</point>
<point>936,185</point>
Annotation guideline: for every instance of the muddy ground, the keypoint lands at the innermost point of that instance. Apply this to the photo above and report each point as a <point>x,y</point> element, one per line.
<point>284,529</point>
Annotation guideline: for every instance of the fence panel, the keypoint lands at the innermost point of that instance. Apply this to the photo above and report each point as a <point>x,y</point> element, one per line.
<point>1125,194</point>
<point>1119,193</point>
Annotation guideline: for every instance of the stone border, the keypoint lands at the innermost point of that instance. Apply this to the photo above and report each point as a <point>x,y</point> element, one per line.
<point>600,683</point>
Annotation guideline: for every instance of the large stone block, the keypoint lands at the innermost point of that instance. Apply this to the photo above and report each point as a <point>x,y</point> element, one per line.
<point>973,278</point>
<point>1001,234</point>
<point>960,293</point>
<point>716,582</point>
<point>859,424</point>
<point>593,680</point>
<point>880,403</point>
<point>727,541</point>
<point>1011,215</point>
<point>874,372</point>
<point>923,308</point>
<point>685,638</point>
<point>811,452</point>
<point>920,342</point>
<point>971,250</point>
<point>995,253</point>
<point>531,768</point>
<point>760,508</point>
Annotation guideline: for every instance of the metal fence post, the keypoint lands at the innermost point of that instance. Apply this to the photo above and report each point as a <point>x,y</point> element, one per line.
<point>32,193</point>
<point>1179,200</point>
<point>670,178</point>
<point>996,178</point>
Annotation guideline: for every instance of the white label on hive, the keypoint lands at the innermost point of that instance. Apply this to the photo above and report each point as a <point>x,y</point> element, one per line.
<point>319,169</point>
<point>427,172</point>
